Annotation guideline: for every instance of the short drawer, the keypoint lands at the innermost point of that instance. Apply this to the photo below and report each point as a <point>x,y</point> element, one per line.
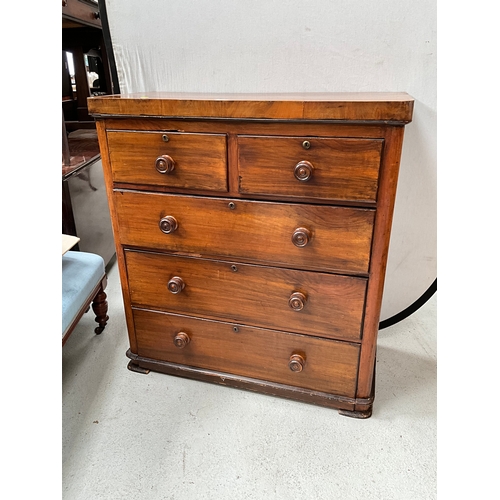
<point>294,235</point>
<point>310,167</point>
<point>296,360</point>
<point>176,160</point>
<point>325,305</point>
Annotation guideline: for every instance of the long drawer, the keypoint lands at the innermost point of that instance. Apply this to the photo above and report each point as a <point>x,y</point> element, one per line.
<point>176,160</point>
<point>325,305</point>
<point>310,167</point>
<point>297,360</point>
<point>300,236</point>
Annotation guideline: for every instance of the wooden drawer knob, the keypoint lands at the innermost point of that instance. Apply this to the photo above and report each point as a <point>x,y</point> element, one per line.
<point>303,171</point>
<point>168,224</point>
<point>176,285</point>
<point>297,301</point>
<point>181,340</point>
<point>301,237</point>
<point>296,363</point>
<point>165,164</point>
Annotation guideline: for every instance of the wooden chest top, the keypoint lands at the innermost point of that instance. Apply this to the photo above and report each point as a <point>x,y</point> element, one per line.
<point>394,107</point>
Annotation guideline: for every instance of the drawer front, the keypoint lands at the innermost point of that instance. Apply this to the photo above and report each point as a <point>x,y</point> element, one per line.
<point>189,161</point>
<point>325,305</point>
<point>330,169</point>
<point>339,238</point>
<point>322,365</point>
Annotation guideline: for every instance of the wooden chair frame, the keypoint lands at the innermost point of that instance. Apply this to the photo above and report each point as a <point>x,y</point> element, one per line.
<point>99,302</point>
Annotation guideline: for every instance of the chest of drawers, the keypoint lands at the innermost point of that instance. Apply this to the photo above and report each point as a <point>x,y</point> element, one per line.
<point>252,234</point>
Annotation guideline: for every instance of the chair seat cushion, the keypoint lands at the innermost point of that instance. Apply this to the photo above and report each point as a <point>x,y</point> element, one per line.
<point>81,272</point>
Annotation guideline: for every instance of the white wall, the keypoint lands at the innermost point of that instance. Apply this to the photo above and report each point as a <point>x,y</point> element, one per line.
<point>304,45</point>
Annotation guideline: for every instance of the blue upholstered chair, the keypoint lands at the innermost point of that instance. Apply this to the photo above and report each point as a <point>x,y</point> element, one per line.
<point>83,284</point>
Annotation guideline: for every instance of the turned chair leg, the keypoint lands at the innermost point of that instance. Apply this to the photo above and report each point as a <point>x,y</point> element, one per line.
<point>100,308</point>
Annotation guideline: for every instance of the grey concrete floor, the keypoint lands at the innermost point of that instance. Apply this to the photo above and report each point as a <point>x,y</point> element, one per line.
<point>155,436</point>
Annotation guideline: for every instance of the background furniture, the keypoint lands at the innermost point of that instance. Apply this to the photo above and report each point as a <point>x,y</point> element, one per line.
<point>85,72</point>
<point>83,283</point>
<point>252,235</point>
<point>68,242</point>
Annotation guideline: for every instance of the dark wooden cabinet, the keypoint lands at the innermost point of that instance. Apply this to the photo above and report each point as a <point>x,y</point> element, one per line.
<point>85,72</point>
<point>252,234</point>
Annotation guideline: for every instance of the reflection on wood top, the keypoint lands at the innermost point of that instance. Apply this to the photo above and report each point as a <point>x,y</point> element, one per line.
<point>394,107</point>
<point>83,149</point>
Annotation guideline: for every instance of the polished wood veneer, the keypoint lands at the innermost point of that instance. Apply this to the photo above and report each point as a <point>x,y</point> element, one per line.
<point>339,237</point>
<point>388,107</point>
<point>198,161</point>
<point>332,306</point>
<point>252,234</point>
<point>256,353</point>
<point>335,169</point>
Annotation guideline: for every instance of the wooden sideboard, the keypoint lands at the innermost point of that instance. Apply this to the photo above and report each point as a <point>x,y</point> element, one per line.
<point>252,234</point>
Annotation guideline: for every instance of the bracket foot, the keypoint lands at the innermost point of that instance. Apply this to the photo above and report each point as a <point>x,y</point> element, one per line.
<point>133,367</point>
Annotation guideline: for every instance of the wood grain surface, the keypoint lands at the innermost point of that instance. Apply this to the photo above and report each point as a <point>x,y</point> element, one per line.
<point>258,231</point>
<point>246,127</point>
<point>368,107</point>
<point>343,169</point>
<point>254,295</point>
<point>252,233</point>
<point>378,263</point>
<point>251,352</point>
<point>200,159</point>
<point>120,258</point>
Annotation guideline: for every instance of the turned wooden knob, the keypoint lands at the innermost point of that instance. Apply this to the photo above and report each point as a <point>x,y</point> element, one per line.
<point>301,237</point>
<point>303,171</point>
<point>165,164</point>
<point>181,340</point>
<point>297,301</point>
<point>296,363</point>
<point>176,285</point>
<point>168,224</point>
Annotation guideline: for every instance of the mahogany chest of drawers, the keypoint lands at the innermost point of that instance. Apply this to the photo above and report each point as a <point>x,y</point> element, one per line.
<point>252,234</point>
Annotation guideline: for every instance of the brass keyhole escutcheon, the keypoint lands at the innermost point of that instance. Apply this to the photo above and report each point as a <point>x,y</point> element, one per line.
<point>306,144</point>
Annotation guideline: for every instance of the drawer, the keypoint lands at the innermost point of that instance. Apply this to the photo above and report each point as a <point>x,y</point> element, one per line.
<point>172,159</point>
<point>335,238</point>
<point>321,365</point>
<point>329,169</point>
<point>325,305</point>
